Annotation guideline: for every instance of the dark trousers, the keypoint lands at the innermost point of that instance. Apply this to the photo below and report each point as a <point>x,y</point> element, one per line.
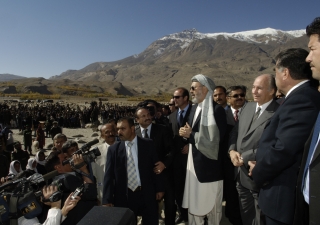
<point>250,211</point>
<point>232,209</point>
<point>180,169</point>
<point>169,200</point>
<point>148,211</point>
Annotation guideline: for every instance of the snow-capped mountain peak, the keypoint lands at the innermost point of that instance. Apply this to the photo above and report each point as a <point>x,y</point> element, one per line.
<point>258,36</point>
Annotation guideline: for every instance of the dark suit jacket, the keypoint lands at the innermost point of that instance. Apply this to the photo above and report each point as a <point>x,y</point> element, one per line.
<point>245,140</point>
<point>280,152</point>
<point>116,181</point>
<point>208,170</point>
<point>314,190</point>
<point>178,141</point>
<point>162,141</point>
<point>230,118</point>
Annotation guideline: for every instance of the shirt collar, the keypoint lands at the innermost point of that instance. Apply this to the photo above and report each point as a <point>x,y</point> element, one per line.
<point>263,106</point>
<point>134,140</point>
<point>149,128</point>
<point>296,86</point>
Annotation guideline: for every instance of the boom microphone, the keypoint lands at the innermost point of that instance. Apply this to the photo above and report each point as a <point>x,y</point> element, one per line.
<point>88,145</point>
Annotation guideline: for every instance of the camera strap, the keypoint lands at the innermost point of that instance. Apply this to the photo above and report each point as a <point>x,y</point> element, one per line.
<point>80,172</point>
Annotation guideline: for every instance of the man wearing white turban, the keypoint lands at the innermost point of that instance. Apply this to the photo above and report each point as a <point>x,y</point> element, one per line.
<point>204,180</point>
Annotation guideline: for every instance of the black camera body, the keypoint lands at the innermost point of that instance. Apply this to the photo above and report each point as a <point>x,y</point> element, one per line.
<point>87,155</point>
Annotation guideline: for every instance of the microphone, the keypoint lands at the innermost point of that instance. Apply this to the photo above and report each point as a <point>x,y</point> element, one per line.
<point>87,146</point>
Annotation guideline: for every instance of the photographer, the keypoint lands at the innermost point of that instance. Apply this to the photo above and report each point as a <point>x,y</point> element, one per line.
<point>55,215</point>
<point>73,180</point>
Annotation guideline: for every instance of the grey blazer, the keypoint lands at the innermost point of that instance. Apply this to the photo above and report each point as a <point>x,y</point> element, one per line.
<point>245,139</point>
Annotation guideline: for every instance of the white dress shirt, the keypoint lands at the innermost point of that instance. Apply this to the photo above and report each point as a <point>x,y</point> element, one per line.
<point>263,106</point>
<point>149,130</point>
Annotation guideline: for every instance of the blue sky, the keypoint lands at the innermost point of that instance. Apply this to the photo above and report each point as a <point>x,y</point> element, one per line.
<point>44,38</point>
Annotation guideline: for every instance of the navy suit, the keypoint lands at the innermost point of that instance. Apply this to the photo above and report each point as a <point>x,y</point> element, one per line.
<point>116,190</point>
<point>180,160</point>
<point>280,152</point>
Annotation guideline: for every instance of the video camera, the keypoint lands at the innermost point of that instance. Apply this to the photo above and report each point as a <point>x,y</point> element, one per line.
<point>88,156</point>
<point>24,195</point>
<point>24,198</point>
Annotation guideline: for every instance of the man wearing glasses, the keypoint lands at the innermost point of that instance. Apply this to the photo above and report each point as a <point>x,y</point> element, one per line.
<point>172,106</point>
<point>204,130</point>
<point>178,119</point>
<point>236,100</point>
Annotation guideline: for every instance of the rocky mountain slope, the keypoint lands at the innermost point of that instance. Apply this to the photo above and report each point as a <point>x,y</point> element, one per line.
<point>169,62</point>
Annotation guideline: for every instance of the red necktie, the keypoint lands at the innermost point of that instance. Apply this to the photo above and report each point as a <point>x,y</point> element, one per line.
<point>236,118</point>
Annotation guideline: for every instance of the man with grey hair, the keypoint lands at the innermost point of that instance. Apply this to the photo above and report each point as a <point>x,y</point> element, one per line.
<point>204,130</point>
<point>108,134</point>
<point>244,140</point>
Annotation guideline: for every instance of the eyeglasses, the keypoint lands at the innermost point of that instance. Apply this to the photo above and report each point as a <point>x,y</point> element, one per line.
<point>237,95</point>
<point>193,88</point>
<point>176,97</point>
<point>171,104</point>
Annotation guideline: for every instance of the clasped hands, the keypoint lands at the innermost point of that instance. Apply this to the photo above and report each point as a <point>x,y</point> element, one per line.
<point>237,161</point>
<point>185,131</point>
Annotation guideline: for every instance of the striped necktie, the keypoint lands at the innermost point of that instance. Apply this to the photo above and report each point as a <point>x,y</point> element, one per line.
<point>131,169</point>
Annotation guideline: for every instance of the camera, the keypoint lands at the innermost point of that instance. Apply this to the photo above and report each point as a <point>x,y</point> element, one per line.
<point>88,156</point>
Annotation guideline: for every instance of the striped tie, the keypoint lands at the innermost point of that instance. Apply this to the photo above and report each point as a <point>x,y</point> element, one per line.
<point>132,176</point>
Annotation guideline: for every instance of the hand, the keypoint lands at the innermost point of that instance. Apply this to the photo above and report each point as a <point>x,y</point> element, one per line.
<point>159,195</point>
<point>47,191</point>
<point>108,205</point>
<point>185,131</point>
<point>185,149</point>
<point>236,158</point>
<point>3,180</point>
<point>252,164</point>
<point>69,204</point>
<point>77,159</point>
<point>159,167</point>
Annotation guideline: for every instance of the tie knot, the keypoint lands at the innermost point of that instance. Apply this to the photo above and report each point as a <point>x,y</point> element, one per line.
<point>236,112</point>
<point>130,144</point>
<point>258,109</point>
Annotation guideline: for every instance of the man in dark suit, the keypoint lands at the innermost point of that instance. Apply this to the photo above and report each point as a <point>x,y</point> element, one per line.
<point>236,99</point>
<point>204,130</point>
<point>280,150</point>
<point>129,179</point>
<point>244,142</point>
<point>163,143</point>
<point>308,191</point>
<point>230,194</point>
<point>178,119</point>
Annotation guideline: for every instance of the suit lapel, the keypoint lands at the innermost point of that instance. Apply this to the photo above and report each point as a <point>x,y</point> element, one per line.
<point>186,117</point>
<point>230,118</point>
<point>139,150</point>
<point>192,112</point>
<point>295,90</point>
<point>248,117</point>
<point>153,131</point>
<point>138,132</point>
<point>316,153</point>
<point>268,112</point>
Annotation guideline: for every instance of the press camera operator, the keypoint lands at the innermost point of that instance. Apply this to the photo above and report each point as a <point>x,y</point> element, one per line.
<point>74,176</point>
<point>27,209</point>
<point>56,215</point>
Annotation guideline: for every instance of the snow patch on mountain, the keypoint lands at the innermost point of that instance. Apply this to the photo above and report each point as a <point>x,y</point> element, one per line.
<point>257,36</point>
